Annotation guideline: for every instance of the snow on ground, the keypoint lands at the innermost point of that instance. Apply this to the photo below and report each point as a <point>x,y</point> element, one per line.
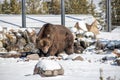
<point>11,69</point>
<point>45,64</point>
<point>109,36</point>
<point>39,20</point>
<point>113,35</point>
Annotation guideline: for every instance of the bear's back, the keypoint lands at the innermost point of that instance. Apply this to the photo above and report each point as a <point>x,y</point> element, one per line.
<point>50,31</point>
<point>62,32</point>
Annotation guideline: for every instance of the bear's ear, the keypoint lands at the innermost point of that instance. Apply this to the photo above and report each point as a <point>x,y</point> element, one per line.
<point>40,33</point>
<point>48,35</point>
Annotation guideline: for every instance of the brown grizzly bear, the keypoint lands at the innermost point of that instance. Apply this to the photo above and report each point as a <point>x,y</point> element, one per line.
<point>53,39</point>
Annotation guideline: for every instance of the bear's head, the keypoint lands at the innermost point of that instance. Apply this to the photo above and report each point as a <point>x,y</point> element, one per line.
<point>44,44</point>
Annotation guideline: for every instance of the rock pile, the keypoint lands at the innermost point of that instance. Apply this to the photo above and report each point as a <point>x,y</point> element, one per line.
<point>84,36</point>
<point>108,44</point>
<point>23,40</point>
<point>19,40</point>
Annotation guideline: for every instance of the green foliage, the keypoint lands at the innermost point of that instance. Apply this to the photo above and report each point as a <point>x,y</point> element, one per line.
<point>116,12</point>
<point>12,7</point>
<point>77,7</point>
<point>55,7</point>
<point>0,8</point>
<point>15,7</point>
<point>45,8</point>
<point>6,7</point>
<point>102,5</point>
<point>92,8</point>
<point>33,7</point>
<point>48,7</point>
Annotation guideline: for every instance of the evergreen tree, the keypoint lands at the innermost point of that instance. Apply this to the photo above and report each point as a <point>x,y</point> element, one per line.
<point>15,7</point>
<point>55,8</point>
<point>45,9</point>
<point>0,8</point>
<point>51,7</point>
<point>102,17</point>
<point>116,12</point>
<point>102,5</point>
<point>92,8</point>
<point>33,6</point>
<point>77,7</point>
<point>6,7</point>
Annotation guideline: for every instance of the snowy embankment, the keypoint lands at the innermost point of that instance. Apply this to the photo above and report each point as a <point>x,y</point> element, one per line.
<point>88,69</point>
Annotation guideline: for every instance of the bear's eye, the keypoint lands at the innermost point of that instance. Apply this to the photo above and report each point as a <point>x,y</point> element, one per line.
<point>48,35</point>
<point>41,43</point>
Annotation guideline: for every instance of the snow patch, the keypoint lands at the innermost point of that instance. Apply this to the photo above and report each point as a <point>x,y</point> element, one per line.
<point>83,25</point>
<point>48,65</point>
<point>73,30</point>
<point>13,52</point>
<point>72,56</point>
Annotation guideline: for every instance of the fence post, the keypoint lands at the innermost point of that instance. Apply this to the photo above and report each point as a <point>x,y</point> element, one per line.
<point>108,15</point>
<point>62,13</point>
<point>23,14</point>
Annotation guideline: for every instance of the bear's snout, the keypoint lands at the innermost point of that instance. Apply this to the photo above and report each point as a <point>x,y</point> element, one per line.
<point>45,50</point>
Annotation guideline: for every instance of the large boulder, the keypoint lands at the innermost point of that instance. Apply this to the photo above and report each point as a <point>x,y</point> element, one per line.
<point>48,68</point>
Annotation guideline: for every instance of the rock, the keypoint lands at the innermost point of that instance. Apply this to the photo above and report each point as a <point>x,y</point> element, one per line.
<point>12,47</point>
<point>93,27</point>
<point>1,44</point>
<point>101,44</point>
<point>48,68</point>
<point>3,50</point>
<point>63,56</point>
<point>89,35</point>
<point>117,44</point>
<point>108,44</point>
<point>21,42</point>
<point>12,38</point>
<point>78,58</point>
<point>111,45</point>
<point>11,54</point>
<point>118,61</point>
<point>78,48</point>
<point>33,57</point>
<point>74,57</point>
<point>116,52</point>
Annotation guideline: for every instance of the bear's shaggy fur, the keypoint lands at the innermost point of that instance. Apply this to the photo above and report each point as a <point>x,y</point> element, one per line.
<point>53,39</point>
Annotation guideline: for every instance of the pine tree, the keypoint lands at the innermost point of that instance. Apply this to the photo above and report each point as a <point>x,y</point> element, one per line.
<point>92,8</point>
<point>33,6</point>
<point>77,7</point>
<point>6,7</point>
<point>51,7</point>
<point>55,7</point>
<point>116,12</point>
<point>102,5</point>
<point>0,8</point>
<point>15,7</point>
<point>102,16</point>
<point>45,9</point>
